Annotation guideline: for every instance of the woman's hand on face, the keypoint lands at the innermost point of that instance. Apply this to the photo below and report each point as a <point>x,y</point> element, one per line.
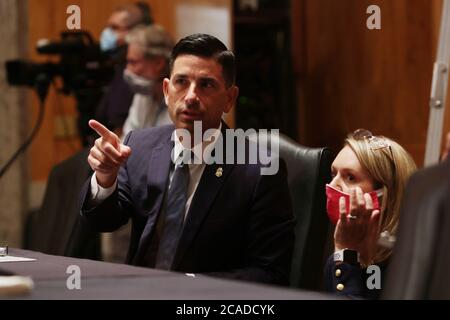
<point>359,229</point>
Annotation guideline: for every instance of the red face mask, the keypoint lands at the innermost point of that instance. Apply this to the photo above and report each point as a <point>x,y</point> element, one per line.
<point>333,196</point>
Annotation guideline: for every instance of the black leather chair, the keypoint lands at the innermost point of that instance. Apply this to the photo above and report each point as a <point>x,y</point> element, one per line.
<point>419,267</point>
<point>56,228</point>
<point>308,169</point>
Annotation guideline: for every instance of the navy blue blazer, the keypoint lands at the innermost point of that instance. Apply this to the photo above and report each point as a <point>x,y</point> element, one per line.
<point>239,225</point>
<point>350,280</point>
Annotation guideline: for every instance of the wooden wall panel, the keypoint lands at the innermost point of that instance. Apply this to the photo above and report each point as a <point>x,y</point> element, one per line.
<point>350,77</point>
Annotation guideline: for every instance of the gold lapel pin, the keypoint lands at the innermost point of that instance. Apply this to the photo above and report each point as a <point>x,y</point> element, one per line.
<point>219,172</point>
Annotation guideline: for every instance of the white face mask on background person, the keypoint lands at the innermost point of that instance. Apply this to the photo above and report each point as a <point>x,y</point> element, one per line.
<point>108,40</point>
<point>139,84</point>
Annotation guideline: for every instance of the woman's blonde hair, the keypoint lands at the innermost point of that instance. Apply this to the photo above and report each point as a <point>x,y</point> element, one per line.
<point>390,165</point>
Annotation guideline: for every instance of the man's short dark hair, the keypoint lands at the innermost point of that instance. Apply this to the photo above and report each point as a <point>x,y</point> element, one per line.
<point>207,46</point>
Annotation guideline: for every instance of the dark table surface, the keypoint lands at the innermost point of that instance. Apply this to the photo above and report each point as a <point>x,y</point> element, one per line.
<point>101,280</point>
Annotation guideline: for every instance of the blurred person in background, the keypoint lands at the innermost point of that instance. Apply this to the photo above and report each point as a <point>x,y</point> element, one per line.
<point>115,104</point>
<point>149,49</point>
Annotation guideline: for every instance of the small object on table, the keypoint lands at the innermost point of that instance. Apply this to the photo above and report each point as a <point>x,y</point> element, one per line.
<point>3,251</point>
<point>15,285</point>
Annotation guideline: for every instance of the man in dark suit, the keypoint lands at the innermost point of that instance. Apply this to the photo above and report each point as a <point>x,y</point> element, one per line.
<point>235,222</point>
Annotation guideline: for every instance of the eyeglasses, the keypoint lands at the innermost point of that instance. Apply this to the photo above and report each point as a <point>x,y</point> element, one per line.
<point>116,27</point>
<point>374,142</point>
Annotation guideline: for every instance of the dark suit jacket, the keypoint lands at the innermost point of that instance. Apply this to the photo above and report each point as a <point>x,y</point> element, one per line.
<point>239,225</point>
<point>352,277</point>
<point>419,266</point>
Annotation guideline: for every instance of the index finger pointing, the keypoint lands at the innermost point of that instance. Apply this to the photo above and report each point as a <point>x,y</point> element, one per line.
<point>102,130</point>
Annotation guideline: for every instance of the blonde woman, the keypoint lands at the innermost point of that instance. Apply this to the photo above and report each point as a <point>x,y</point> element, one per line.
<point>368,179</point>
